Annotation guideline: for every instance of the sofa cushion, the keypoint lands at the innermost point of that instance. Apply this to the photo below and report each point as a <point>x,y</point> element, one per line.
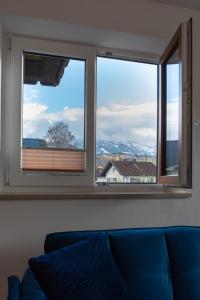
<point>85,270</point>
<point>141,256</point>
<point>181,250</point>
<point>30,288</point>
<point>184,252</point>
<point>143,261</point>
<point>58,240</point>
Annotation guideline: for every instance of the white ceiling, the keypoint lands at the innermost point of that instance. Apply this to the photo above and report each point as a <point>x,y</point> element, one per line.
<point>192,4</point>
<point>82,34</point>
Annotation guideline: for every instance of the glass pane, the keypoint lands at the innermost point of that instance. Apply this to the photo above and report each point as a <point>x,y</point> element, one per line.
<point>53,113</point>
<point>172,114</point>
<point>126,134</point>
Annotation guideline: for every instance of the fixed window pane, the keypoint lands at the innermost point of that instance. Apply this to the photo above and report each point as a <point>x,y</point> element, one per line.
<point>53,138</point>
<point>172,114</point>
<point>126,129</point>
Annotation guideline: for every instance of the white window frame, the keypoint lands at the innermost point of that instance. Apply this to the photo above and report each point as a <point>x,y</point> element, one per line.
<point>13,103</point>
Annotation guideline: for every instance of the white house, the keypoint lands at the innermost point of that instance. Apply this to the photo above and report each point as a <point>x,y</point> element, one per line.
<point>129,172</point>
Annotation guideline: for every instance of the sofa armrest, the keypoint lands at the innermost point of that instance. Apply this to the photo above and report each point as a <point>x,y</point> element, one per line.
<point>13,288</point>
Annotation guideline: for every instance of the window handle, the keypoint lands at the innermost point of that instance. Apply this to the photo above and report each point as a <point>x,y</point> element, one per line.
<point>197,122</point>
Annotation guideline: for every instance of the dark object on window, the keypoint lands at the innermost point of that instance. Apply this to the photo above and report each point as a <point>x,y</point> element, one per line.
<point>46,69</point>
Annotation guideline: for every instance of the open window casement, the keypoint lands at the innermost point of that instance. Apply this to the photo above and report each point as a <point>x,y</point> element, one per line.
<point>175,110</point>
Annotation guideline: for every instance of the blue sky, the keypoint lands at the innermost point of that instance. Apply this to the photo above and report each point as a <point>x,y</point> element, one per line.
<point>126,102</point>
<point>173,82</point>
<point>173,101</point>
<point>125,81</point>
<point>70,91</point>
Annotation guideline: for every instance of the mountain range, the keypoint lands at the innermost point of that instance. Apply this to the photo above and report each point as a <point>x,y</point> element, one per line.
<point>131,148</point>
<point>102,147</point>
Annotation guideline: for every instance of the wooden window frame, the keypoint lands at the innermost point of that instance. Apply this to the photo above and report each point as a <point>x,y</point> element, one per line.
<point>182,40</point>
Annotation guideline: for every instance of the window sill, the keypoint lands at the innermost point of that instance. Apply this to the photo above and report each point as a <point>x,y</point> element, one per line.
<point>99,192</point>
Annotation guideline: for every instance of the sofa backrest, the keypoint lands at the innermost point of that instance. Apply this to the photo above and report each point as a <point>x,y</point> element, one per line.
<point>156,263</point>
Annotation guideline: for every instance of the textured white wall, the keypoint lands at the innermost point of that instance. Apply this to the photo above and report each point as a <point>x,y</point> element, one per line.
<point>24,224</point>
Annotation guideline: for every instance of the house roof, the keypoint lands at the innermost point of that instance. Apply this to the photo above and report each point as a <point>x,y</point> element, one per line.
<point>33,143</point>
<point>46,69</point>
<point>131,168</point>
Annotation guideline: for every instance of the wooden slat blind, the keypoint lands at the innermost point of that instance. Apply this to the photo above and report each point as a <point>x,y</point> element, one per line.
<point>53,160</point>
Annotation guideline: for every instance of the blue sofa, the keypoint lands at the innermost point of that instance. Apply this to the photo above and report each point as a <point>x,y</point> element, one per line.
<point>155,263</point>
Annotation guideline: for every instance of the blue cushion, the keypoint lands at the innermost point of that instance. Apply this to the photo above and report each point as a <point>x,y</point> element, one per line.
<point>55,241</point>
<point>141,256</point>
<point>30,288</point>
<point>143,261</point>
<point>83,271</point>
<point>170,261</point>
<point>184,253</point>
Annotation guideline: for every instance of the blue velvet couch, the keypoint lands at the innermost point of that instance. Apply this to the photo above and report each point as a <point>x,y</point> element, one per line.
<point>155,263</point>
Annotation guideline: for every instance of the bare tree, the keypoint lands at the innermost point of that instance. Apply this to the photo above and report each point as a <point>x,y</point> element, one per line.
<point>59,135</point>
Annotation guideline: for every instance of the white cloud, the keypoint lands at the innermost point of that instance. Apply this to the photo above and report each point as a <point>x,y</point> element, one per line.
<point>30,95</point>
<point>118,122</point>
<point>73,114</point>
<point>172,120</point>
<point>121,122</point>
<point>32,111</point>
<point>37,119</point>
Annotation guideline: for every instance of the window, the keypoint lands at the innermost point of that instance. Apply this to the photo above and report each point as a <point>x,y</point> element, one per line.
<point>126,120</point>
<point>51,100</point>
<point>175,110</point>
<point>53,114</point>
<point>81,116</point>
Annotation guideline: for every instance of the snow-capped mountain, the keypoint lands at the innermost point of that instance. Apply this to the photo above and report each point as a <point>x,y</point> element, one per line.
<point>132,148</point>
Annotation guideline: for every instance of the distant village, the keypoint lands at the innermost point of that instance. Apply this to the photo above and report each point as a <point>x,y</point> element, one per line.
<point>116,167</point>
<point>122,167</point>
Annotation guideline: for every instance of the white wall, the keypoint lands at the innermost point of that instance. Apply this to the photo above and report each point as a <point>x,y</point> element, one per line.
<point>134,16</point>
<point>24,224</point>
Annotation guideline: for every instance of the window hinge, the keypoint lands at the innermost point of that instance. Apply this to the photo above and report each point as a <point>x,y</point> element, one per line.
<point>9,43</point>
<point>6,179</point>
<point>108,53</point>
<point>103,183</point>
